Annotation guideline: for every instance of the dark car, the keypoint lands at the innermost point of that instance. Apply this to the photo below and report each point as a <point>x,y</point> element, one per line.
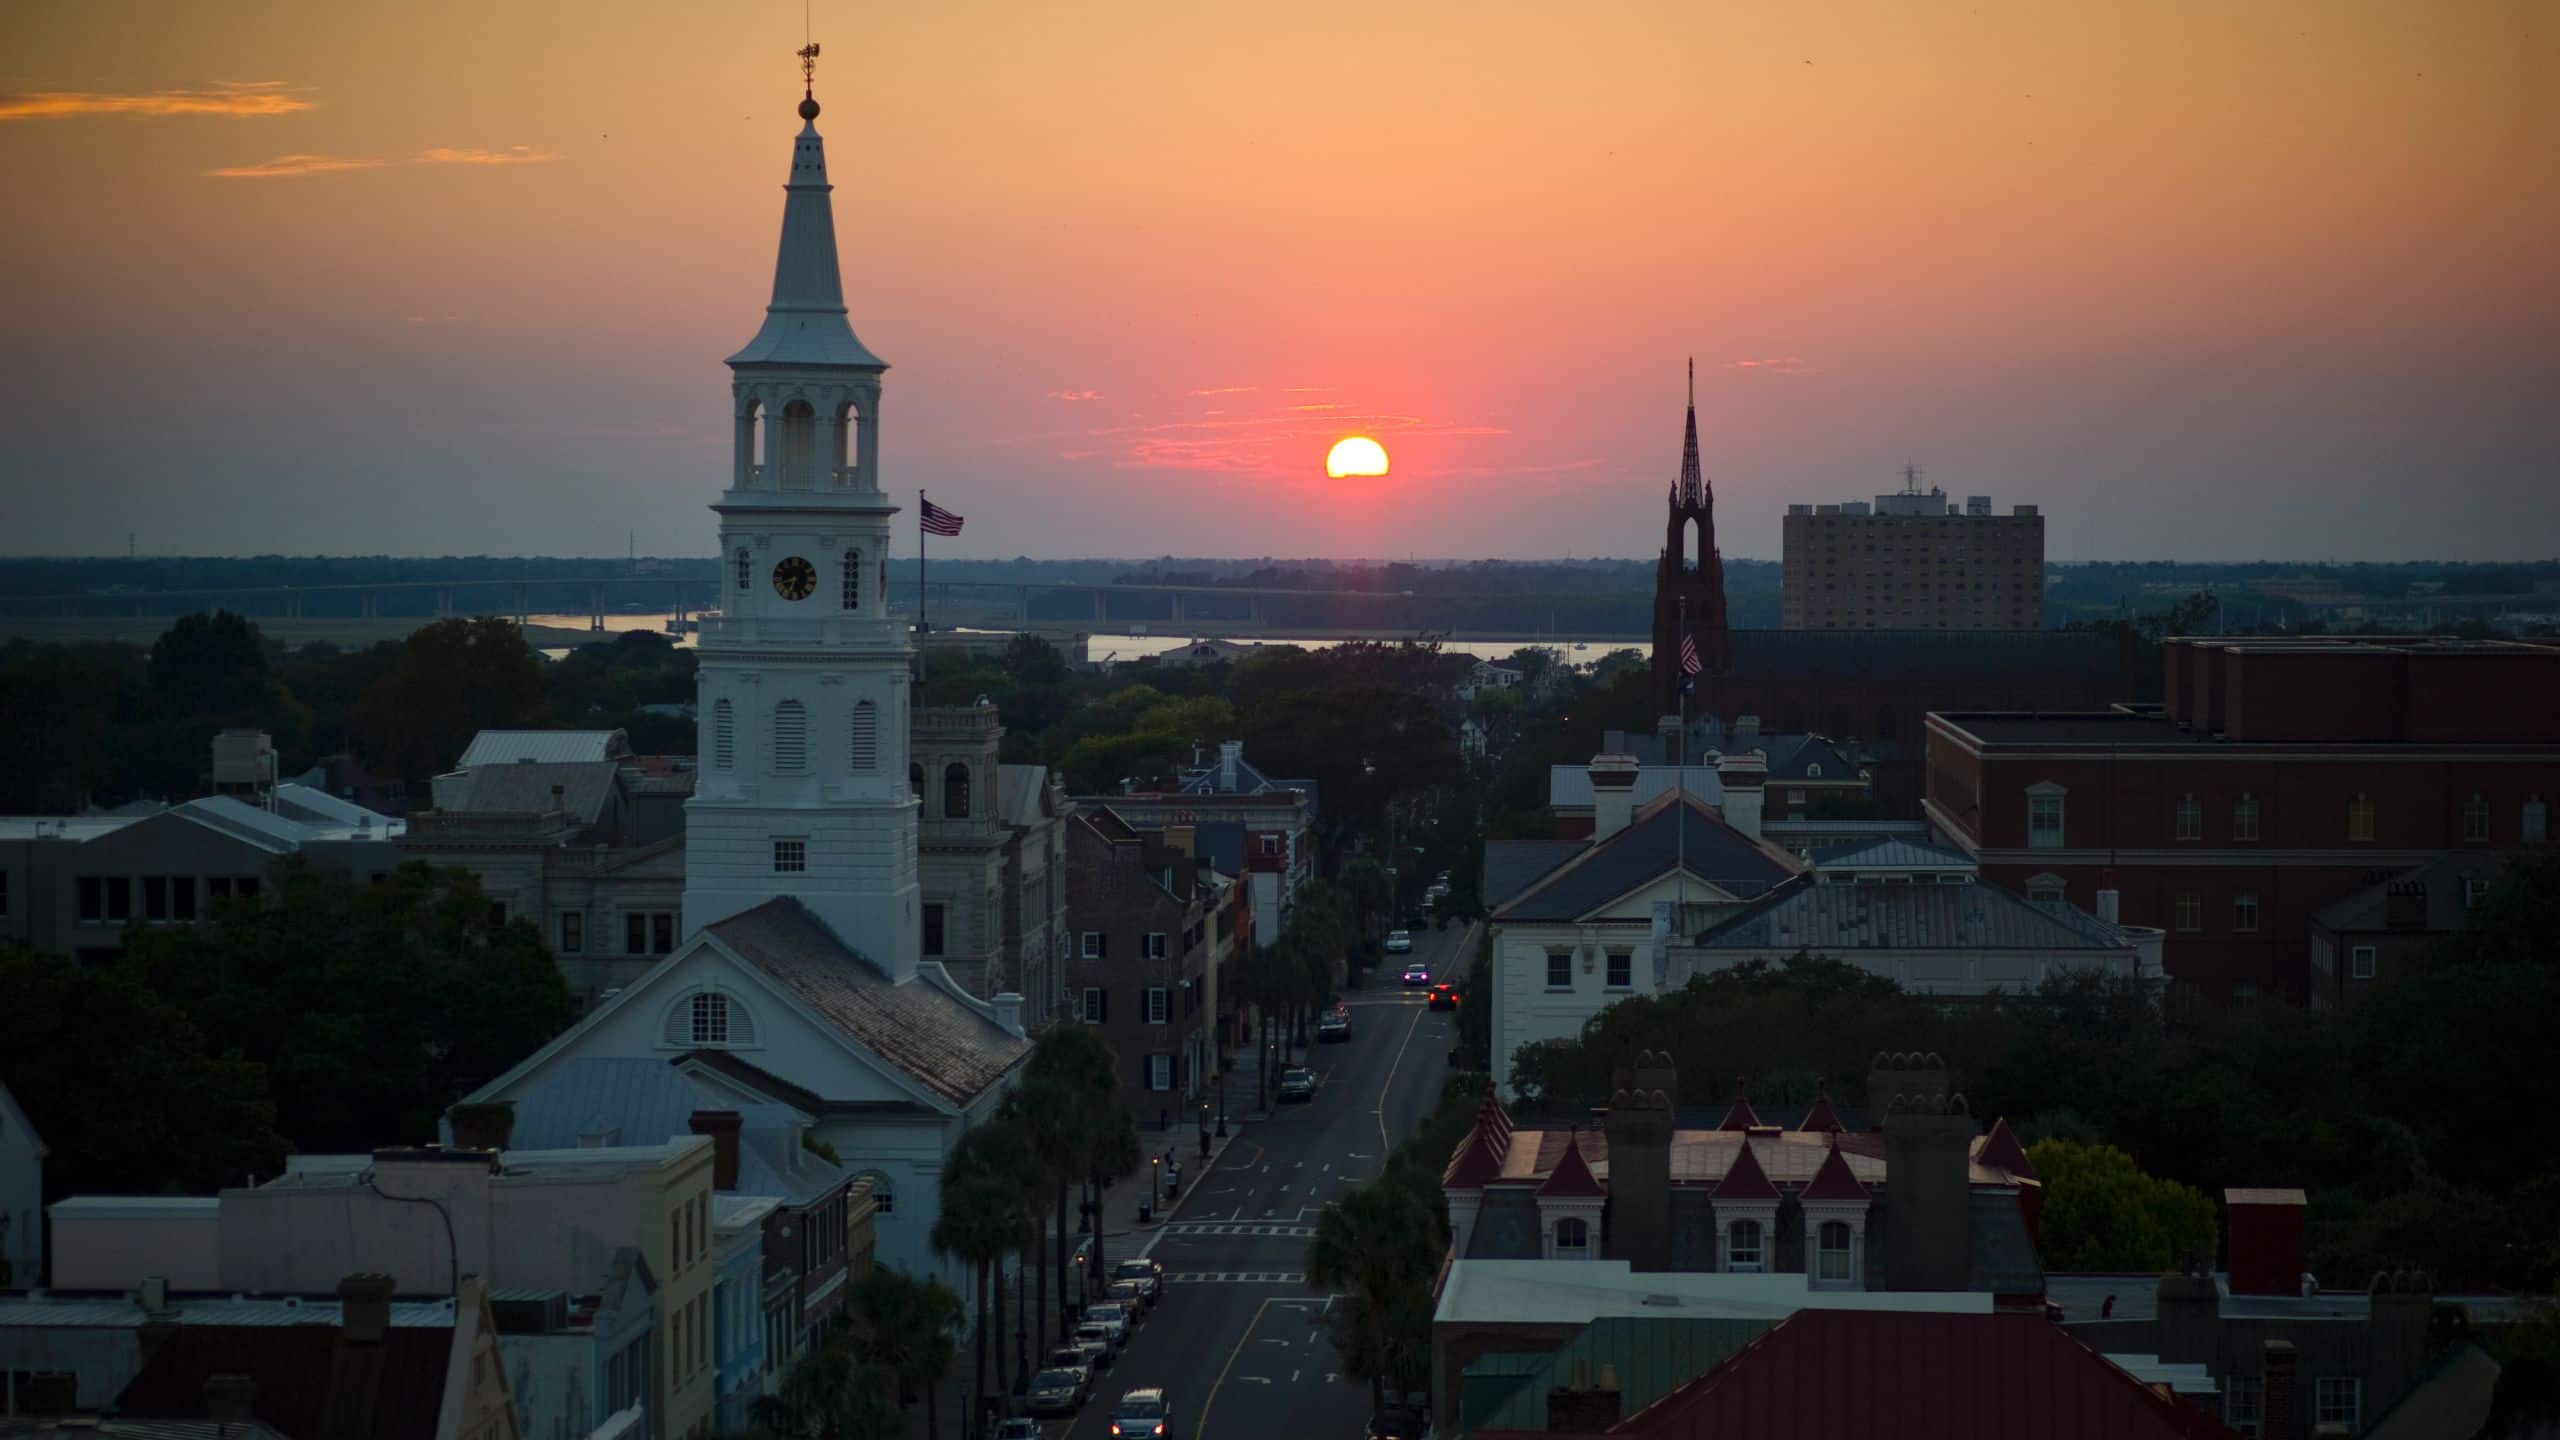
<point>1142,1415</point>
<point>1147,1275</point>
<point>1056,1391</point>
<point>1444,997</point>
<point>1297,1083</point>
<point>1417,975</point>
<point>1334,1027</point>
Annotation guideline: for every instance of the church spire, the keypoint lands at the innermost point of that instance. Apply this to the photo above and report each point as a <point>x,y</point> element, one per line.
<point>805,322</point>
<point>1692,489</point>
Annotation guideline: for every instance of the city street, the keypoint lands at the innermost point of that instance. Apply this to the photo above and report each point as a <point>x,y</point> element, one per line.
<point>1238,1340</point>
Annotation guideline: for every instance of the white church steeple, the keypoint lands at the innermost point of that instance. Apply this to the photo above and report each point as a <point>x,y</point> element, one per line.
<point>802,787</point>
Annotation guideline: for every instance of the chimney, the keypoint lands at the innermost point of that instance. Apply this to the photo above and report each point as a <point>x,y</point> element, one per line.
<point>1638,1127</point>
<point>1009,1011</point>
<point>1581,1409</point>
<point>722,1126</point>
<point>1613,794</point>
<point>1229,752</point>
<point>482,1125</point>
<point>155,1295</point>
<point>2265,1230</point>
<point>367,1299</point>
<point>230,1398</point>
<point>2107,906</point>
<point>2276,1390</point>
<point>1743,776</point>
<point>1667,730</point>
<point>1928,1142</point>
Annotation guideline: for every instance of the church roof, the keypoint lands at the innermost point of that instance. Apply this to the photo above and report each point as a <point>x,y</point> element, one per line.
<point>1572,1178</point>
<point>1663,836</point>
<point>919,1029</point>
<point>1822,1119</point>
<point>1739,1116</point>
<point>2001,1148</point>
<point>1746,1180</point>
<point>1835,1181</point>
<point>805,323</point>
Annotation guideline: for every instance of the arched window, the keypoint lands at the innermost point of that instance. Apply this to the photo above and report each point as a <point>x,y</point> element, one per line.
<point>853,579</point>
<point>1832,1259</point>
<point>1813,771</point>
<point>2244,818</point>
<point>1573,1237</point>
<point>724,735</point>
<point>790,738</point>
<point>863,751</point>
<point>884,1198</point>
<point>2190,817</point>
<point>799,444</point>
<point>1742,1247</point>
<point>915,779</point>
<point>709,1018</point>
<point>746,568</point>
<point>1689,556</point>
<point>2475,817</point>
<point>955,791</point>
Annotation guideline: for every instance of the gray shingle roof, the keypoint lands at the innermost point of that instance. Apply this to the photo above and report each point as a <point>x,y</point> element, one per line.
<point>1838,919</point>
<point>525,789</point>
<point>922,1031</point>
<point>1510,866</point>
<point>1652,846</point>
<point>1889,853</point>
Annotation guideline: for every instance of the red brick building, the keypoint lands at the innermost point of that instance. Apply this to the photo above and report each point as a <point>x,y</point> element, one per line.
<point>2283,774</point>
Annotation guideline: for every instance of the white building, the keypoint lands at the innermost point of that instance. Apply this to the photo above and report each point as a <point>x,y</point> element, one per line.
<point>22,1155</point>
<point>801,982</point>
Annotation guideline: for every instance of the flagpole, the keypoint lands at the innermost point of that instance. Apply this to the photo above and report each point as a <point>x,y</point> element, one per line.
<point>921,625</point>
<point>1680,775</point>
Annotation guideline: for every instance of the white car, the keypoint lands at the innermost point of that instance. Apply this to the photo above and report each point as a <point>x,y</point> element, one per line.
<point>1399,942</point>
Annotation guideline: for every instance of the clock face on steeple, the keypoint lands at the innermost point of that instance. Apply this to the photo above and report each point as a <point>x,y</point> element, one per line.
<point>795,578</point>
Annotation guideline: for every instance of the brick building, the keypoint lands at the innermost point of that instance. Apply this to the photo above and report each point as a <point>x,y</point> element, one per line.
<point>1142,913</point>
<point>1911,561</point>
<point>2283,774</point>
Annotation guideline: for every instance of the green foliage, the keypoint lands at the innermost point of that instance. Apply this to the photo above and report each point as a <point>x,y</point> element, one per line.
<point>121,1084</point>
<point>372,1007</point>
<point>452,680</point>
<point>2102,1213</point>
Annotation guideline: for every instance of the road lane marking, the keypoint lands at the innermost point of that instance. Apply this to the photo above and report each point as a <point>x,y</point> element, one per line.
<point>1209,1406</point>
<point>1389,1082</point>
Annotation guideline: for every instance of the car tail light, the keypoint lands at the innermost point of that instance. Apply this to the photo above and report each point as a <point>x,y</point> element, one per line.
<point>1159,1427</point>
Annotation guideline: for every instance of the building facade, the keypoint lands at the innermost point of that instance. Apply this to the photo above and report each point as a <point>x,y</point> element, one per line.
<point>991,861</point>
<point>22,1152</point>
<point>1688,587</point>
<point>1143,915</point>
<point>1912,561</point>
<point>2282,776</point>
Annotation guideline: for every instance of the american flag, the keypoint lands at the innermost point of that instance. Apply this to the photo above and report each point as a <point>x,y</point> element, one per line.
<point>1689,662</point>
<point>938,521</point>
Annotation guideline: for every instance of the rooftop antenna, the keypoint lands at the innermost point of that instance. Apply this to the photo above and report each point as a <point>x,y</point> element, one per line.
<point>1910,478</point>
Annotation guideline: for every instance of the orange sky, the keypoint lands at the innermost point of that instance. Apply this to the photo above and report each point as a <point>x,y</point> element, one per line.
<point>2200,279</point>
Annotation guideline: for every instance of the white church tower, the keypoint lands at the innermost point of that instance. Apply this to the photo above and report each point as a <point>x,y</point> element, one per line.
<point>802,788</point>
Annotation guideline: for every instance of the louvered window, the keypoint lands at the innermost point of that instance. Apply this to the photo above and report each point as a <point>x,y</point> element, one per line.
<point>790,738</point>
<point>955,791</point>
<point>746,570</point>
<point>863,751</point>
<point>853,579</point>
<point>724,735</point>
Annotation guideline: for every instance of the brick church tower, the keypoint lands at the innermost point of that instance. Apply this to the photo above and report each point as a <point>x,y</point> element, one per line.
<point>1691,577</point>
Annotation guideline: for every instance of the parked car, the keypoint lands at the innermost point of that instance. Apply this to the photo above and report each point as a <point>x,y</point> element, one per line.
<point>1147,1274</point>
<point>1143,1415</point>
<point>1019,1427</point>
<point>1077,1361</point>
<point>1113,1316</point>
<point>1334,1027</point>
<point>1399,942</point>
<point>1054,1391</point>
<point>1103,1339</point>
<point>1444,997</point>
<point>1091,1351</point>
<point>1417,975</point>
<point>1130,1293</point>
<point>1297,1083</point>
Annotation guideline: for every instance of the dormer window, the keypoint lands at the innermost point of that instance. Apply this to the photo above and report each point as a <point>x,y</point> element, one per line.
<point>1573,1239</point>
<point>710,1019</point>
<point>1742,1247</point>
<point>1833,1253</point>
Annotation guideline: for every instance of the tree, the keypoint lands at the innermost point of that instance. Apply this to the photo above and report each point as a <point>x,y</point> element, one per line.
<point>837,1391</point>
<point>371,1006</point>
<point>2101,1212</point>
<point>213,666</point>
<point>452,679</point>
<point>906,1324</point>
<point>982,1221</point>
<point>128,1096</point>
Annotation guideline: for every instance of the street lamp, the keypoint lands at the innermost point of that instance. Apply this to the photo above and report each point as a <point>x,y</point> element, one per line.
<point>1204,1135</point>
<point>1155,1179</point>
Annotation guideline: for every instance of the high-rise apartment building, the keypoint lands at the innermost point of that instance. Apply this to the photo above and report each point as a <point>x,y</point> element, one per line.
<point>1913,561</point>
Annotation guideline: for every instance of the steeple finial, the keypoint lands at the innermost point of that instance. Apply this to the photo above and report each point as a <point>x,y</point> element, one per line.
<point>1693,382</point>
<point>1691,490</point>
<point>809,81</point>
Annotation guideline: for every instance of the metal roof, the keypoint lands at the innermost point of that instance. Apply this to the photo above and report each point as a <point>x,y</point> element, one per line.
<point>641,1101</point>
<point>554,747</point>
<point>1569,786</point>
<point>1890,852</point>
<point>1664,837</point>
<point>1650,1356</point>
<point>1837,918</point>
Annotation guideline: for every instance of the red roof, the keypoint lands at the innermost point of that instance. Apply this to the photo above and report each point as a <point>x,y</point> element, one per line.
<point>1480,1155</point>
<point>1746,1180</point>
<point>310,1382</point>
<point>1572,1177</point>
<point>1821,1117</point>
<point>1740,1117</point>
<point>2001,1149</point>
<point>1919,1377</point>
<point>1834,1182</point>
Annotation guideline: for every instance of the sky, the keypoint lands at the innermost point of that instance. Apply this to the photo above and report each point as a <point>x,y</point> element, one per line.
<point>2200,280</point>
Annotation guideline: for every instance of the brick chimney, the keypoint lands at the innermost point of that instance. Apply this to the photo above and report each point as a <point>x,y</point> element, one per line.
<point>1674,740</point>
<point>1581,1409</point>
<point>1928,1140</point>
<point>231,1398</point>
<point>2265,1239</point>
<point>722,1126</point>
<point>367,1299</point>
<point>1744,778</point>
<point>1613,794</point>
<point>482,1125</point>
<point>2277,1390</point>
<point>1638,1125</point>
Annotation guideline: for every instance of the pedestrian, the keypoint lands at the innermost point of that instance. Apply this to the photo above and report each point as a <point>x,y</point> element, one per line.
<point>2107,1309</point>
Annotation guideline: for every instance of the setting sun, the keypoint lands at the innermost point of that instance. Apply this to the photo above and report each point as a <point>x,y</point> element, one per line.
<point>1358,455</point>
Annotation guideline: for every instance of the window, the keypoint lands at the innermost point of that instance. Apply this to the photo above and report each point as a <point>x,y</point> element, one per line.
<point>635,934</point>
<point>573,931</point>
<point>915,779</point>
<point>1159,1072</point>
<point>2360,963</point>
<point>724,735</point>
<point>2360,818</point>
<point>2338,1400</point>
<point>853,579</point>
<point>4,892</point>
<point>1155,944</point>
<point>2244,818</point>
<point>955,791</point>
<point>1831,1252</point>
<point>218,888</point>
<point>1096,1008</point>
<point>1573,1237</point>
<point>710,1019</point>
<point>2473,887</point>
<point>862,750</point>
<point>2475,817</point>
<point>2044,820</point>
<point>1742,1247</point>
<point>790,738</point>
<point>2190,818</point>
<point>1621,970</point>
<point>120,897</point>
<point>1270,845</point>
<point>2189,909</point>
<point>1155,1005</point>
<point>1092,945</point>
<point>2536,822</point>
<point>1559,969</point>
<point>93,904</point>
<point>155,897</point>
<point>790,857</point>
<point>182,897</point>
<point>933,930</point>
<point>2241,1401</point>
<point>662,933</point>
<point>2244,912</point>
<point>746,570</point>
<point>2045,889</point>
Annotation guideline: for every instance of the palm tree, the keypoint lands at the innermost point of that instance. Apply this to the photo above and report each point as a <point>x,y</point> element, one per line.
<point>981,1221</point>
<point>1378,1246</point>
<point>1048,1111</point>
<point>906,1324</point>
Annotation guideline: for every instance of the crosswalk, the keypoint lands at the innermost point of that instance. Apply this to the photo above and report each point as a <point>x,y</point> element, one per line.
<point>1240,1227</point>
<point>1235,1277</point>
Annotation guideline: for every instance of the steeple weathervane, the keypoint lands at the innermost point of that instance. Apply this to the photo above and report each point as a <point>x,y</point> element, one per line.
<point>809,81</point>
